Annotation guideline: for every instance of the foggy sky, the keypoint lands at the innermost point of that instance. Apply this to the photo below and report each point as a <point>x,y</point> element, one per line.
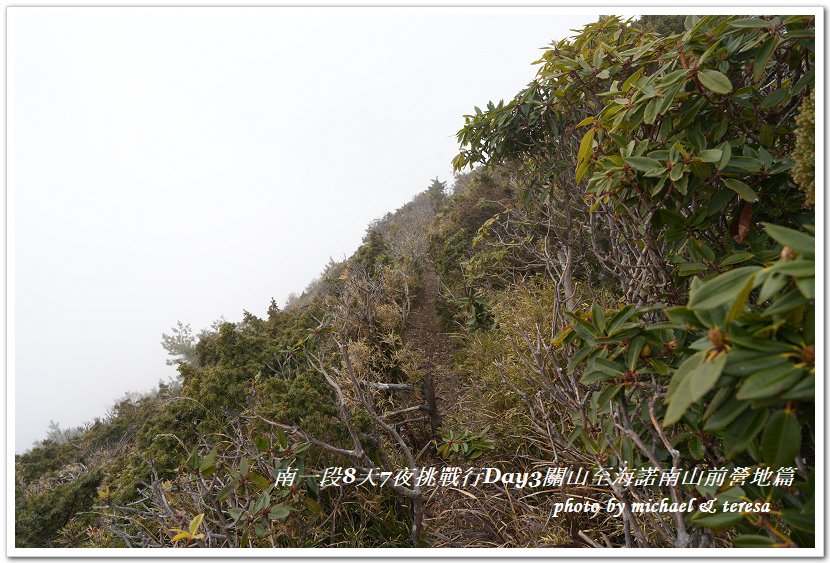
<point>186,164</point>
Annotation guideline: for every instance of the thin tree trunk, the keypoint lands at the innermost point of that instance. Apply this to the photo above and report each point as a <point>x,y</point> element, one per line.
<point>567,280</point>
<point>432,404</point>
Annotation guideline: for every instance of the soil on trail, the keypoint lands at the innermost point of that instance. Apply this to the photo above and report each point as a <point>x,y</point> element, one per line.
<point>446,508</point>
<point>423,332</point>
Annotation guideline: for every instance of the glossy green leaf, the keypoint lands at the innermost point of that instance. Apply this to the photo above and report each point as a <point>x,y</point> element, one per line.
<point>772,285</point>
<point>752,540</point>
<point>739,435</point>
<point>781,440</point>
<point>650,113</point>
<point>802,243</point>
<point>643,163</point>
<point>726,155</point>
<point>724,416</point>
<point>750,23</point>
<point>736,257</point>
<point>804,390</point>
<point>724,288</point>
<point>695,377</point>
<point>799,520</point>
<point>762,56</point>
<point>745,163</point>
<point>746,362</point>
<point>226,491</point>
<point>711,155</point>
<point>801,268</point>
<point>263,501</point>
<point>632,353</point>
<point>586,147</point>
<point>598,317</point>
<point>774,98</point>
<point>262,443</point>
<point>807,287</point>
<point>739,304</point>
<point>717,520</point>
<point>279,512</point>
<point>785,303</point>
<point>769,382</point>
<point>235,514</point>
<point>741,189</point>
<point>208,462</point>
<point>259,480</point>
<point>715,81</point>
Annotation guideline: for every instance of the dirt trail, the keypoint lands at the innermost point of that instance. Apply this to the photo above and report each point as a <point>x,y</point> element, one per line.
<point>444,506</point>
<point>423,332</point>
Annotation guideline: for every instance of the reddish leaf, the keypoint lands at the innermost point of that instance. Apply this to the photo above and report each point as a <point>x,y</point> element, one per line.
<point>741,228</point>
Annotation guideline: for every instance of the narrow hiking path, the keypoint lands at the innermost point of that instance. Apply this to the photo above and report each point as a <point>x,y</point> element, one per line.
<point>477,517</point>
<point>423,332</point>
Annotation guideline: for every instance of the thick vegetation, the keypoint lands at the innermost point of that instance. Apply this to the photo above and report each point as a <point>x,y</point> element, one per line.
<point>624,279</point>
